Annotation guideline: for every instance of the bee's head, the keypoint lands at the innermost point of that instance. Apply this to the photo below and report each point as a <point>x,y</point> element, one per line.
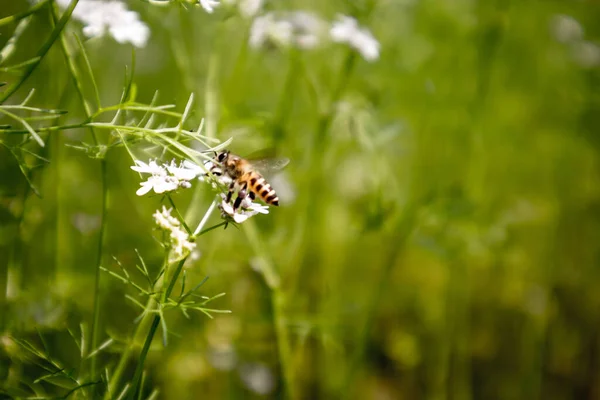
<point>222,156</point>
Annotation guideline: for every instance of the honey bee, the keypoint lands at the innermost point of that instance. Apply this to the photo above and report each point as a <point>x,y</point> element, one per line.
<point>245,176</point>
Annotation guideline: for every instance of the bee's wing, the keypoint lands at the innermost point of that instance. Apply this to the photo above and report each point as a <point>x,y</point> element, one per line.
<point>270,165</point>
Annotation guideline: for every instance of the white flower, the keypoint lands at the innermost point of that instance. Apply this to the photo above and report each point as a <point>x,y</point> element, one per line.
<point>160,184</point>
<point>247,209</point>
<point>346,30</point>
<point>164,219</point>
<point>247,8</point>
<point>190,165</point>
<point>100,17</point>
<point>258,378</point>
<point>185,171</point>
<point>181,245</point>
<point>178,238</point>
<point>151,168</point>
<point>566,29</point>
<point>298,29</point>
<point>586,54</point>
<point>166,177</point>
<point>209,5</point>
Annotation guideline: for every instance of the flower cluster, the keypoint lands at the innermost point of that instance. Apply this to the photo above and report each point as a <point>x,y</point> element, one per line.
<point>179,239</point>
<point>305,30</point>
<point>569,31</point>
<point>99,17</point>
<point>209,5</point>
<point>346,30</point>
<point>247,209</point>
<point>167,177</point>
<point>299,29</point>
<point>247,8</point>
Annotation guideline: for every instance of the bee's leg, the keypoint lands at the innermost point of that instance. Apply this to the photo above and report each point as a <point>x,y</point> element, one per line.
<point>230,192</point>
<point>252,196</point>
<point>242,193</point>
<point>238,201</point>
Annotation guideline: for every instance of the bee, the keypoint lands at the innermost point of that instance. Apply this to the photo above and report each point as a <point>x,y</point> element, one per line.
<point>245,176</point>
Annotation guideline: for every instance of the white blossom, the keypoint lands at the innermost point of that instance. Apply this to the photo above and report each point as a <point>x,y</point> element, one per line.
<point>247,8</point>
<point>151,168</point>
<point>566,29</point>
<point>185,171</point>
<point>586,54</point>
<point>167,177</point>
<point>247,209</point>
<point>258,378</point>
<point>164,219</point>
<point>346,30</point>
<point>178,238</point>
<point>299,29</point>
<point>160,184</point>
<point>209,5</point>
<point>112,17</point>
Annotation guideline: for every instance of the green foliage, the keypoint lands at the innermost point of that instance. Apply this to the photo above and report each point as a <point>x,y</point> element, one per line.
<point>437,235</point>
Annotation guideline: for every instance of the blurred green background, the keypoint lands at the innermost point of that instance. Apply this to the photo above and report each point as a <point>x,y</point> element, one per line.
<point>438,235</point>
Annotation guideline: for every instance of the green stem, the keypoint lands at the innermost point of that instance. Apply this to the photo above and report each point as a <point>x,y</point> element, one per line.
<point>102,234</point>
<point>45,129</point>
<point>18,16</point>
<point>41,53</point>
<point>273,282</point>
<point>135,382</point>
<point>336,94</point>
<point>137,337</point>
<point>202,223</point>
<point>77,81</point>
<point>211,97</point>
<point>284,346</point>
<point>286,100</point>
<point>11,45</point>
<point>179,216</point>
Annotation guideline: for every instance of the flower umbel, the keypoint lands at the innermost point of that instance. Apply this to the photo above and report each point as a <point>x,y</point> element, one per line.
<point>100,17</point>
<point>247,8</point>
<point>247,209</point>
<point>209,5</point>
<point>299,29</point>
<point>179,239</point>
<point>346,30</point>
<point>166,177</point>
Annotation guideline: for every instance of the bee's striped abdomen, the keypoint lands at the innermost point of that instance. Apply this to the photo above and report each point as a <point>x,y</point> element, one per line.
<point>262,189</point>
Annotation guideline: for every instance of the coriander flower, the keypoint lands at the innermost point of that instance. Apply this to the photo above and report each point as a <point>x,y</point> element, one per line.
<point>247,209</point>
<point>346,30</point>
<point>299,29</point>
<point>185,171</point>
<point>586,54</point>
<point>566,29</point>
<point>167,177</point>
<point>209,5</point>
<point>100,17</point>
<point>179,239</point>
<point>151,168</point>
<point>247,8</point>
<point>165,220</point>
<point>160,184</point>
